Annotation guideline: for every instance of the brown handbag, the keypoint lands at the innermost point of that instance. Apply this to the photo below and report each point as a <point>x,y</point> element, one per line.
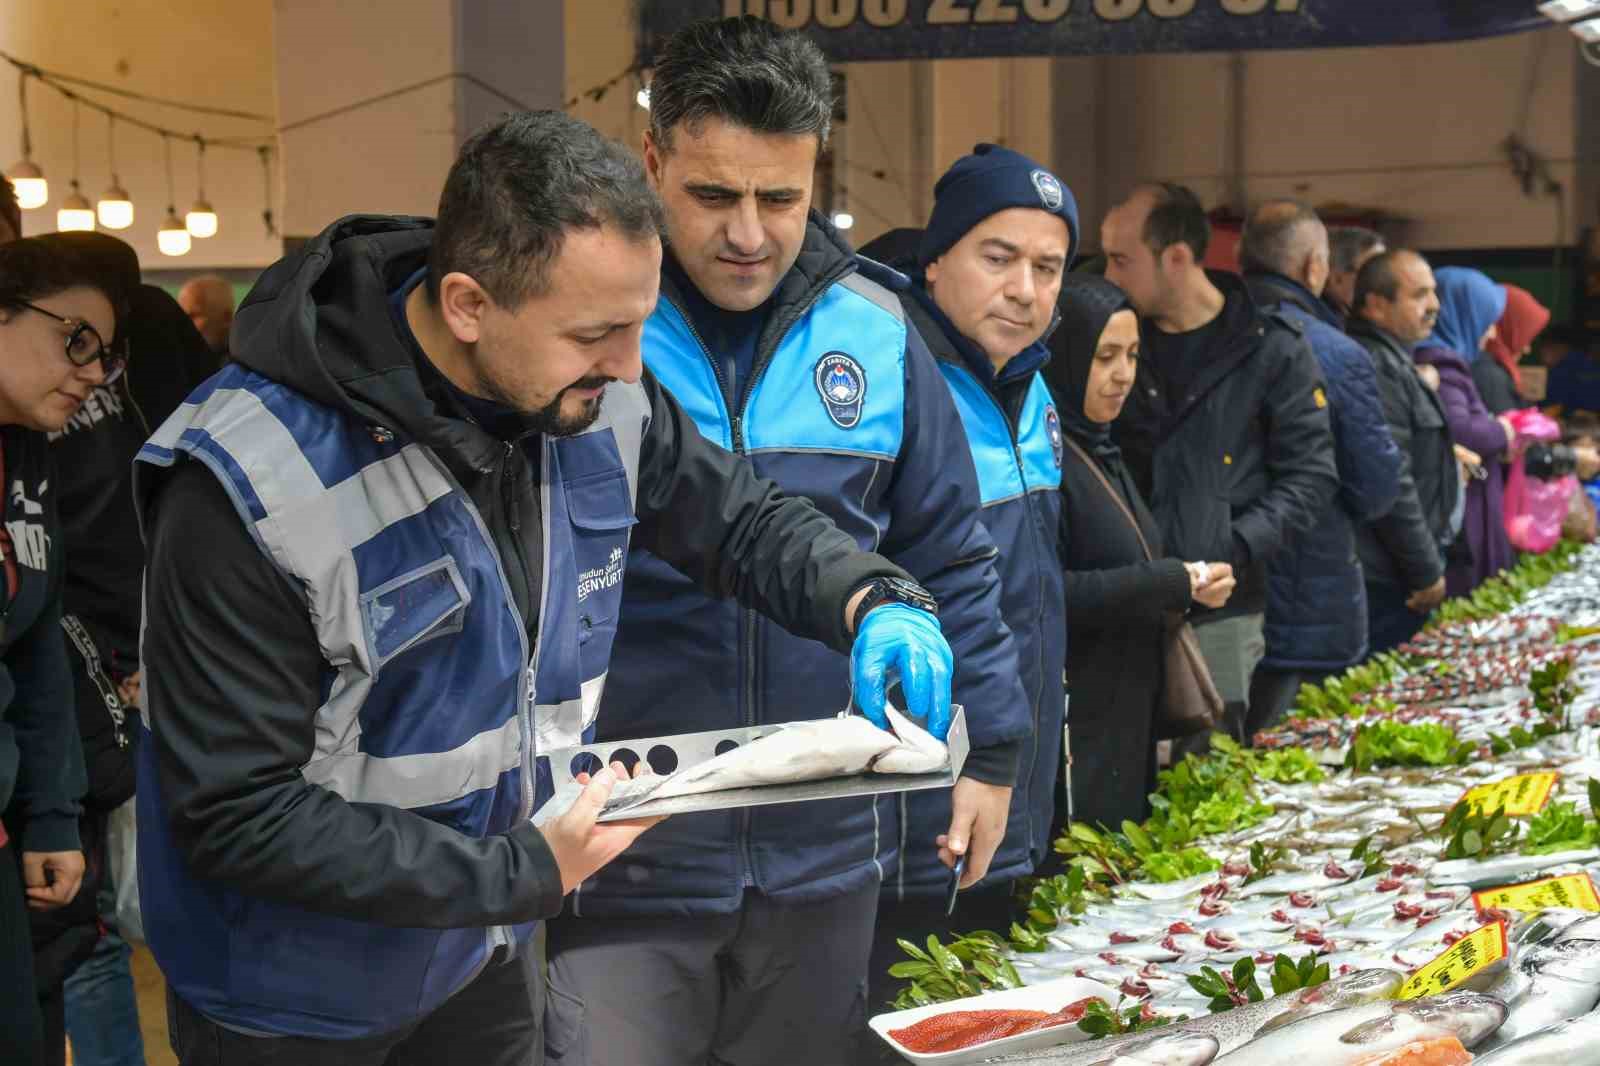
<point>1190,702</point>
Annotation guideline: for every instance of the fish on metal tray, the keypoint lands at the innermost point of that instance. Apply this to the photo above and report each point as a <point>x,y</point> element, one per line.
<point>799,751</point>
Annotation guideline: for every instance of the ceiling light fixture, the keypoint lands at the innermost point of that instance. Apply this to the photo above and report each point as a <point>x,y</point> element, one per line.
<point>26,178</point>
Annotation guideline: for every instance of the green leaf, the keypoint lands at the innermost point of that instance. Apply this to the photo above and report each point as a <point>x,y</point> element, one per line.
<point>910,969</point>
<point>1244,971</point>
<point>1139,838</point>
<point>915,952</point>
<point>1082,833</point>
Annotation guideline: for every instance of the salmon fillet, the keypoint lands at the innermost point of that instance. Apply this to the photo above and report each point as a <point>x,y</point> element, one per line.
<point>967,1028</point>
<point>1444,1051</point>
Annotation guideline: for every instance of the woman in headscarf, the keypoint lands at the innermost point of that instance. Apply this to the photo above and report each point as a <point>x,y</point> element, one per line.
<point>1469,306</point>
<point>1498,379</point>
<point>1119,600</point>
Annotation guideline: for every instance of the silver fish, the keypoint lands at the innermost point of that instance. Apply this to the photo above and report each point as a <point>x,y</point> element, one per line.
<point>1563,1044</point>
<point>1488,873</point>
<point>1141,1049</point>
<point>1356,1034</point>
<point>1546,984</point>
<point>1236,1027</point>
<point>1178,1049</point>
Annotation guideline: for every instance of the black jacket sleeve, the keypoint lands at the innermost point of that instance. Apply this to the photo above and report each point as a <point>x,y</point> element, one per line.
<point>50,774</point>
<point>105,730</point>
<point>233,680</point>
<point>1300,452</point>
<point>1139,593</point>
<point>706,511</point>
<point>1404,531</point>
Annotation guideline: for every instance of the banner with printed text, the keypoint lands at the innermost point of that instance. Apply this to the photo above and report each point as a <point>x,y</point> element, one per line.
<point>850,30</point>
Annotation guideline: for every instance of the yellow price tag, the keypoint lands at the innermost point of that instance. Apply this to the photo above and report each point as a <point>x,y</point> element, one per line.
<point>1476,951</point>
<point>1523,794</point>
<point>1574,890</point>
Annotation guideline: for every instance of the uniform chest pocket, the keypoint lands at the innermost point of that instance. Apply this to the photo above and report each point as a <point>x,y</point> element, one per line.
<point>600,509</point>
<point>430,601</point>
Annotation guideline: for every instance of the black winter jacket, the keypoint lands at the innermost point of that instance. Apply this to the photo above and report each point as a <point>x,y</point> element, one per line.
<point>1316,603</point>
<point>1243,461</point>
<point>1117,605</point>
<point>1406,546</point>
<point>41,762</point>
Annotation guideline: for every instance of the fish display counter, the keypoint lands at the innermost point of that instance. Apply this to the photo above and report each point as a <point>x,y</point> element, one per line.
<point>1403,874</point>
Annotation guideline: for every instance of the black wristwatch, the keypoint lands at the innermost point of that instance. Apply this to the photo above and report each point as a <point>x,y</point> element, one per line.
<point>884,590</point>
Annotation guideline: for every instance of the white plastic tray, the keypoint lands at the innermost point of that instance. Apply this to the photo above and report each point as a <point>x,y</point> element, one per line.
<point>1050,996</point>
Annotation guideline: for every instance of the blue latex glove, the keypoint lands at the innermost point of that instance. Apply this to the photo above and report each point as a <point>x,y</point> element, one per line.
<point>899,642</point>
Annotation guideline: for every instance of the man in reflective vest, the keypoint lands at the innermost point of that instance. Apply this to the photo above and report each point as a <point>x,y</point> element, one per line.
<point>386,550</point>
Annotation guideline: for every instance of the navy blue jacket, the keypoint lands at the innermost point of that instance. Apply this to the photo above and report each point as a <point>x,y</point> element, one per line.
<point>1316,598</point>
<point>1015,437</point>
<point>844,406</point>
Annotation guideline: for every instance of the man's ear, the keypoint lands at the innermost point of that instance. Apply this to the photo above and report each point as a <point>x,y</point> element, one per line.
<point>653,154</point>
<point>462,303</point>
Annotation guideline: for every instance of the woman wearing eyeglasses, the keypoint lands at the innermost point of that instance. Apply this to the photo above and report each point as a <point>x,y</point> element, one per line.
<point>56,314</point>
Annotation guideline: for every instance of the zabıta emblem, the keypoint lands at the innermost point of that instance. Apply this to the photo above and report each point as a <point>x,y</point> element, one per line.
<point>842,384</point>
<point>1052,427</point>
<point>1049,189</point>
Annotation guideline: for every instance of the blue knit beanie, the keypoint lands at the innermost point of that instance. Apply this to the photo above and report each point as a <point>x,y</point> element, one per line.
<point>989,181</point>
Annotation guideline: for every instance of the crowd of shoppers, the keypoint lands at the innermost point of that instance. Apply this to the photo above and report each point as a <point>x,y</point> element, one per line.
<point>623,446</point>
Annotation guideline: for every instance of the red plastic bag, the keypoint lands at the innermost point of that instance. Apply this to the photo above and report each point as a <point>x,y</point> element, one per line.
<point>1534,508</point>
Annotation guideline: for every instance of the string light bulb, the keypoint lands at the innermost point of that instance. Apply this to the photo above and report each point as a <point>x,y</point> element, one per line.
<point>26,178</point>
<point>201,221</point>
<point>75,213</point>
<point>115,208</point>
<point>173,236</point>
<point>843,220</point>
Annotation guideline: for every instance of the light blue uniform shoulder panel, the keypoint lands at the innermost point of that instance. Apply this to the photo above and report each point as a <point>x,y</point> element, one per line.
<point>678,360</point>
<point>837,382</point>
<point>1040,443</point>
<point>987,434</point>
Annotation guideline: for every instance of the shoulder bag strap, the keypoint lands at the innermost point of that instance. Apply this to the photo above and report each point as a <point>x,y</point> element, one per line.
<point>1116,497</point>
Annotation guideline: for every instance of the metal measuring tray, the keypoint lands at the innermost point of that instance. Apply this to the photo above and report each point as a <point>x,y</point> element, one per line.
<point>685,750</point>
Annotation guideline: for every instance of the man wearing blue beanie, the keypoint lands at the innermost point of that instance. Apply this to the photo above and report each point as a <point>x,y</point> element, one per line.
<point>986,275</point>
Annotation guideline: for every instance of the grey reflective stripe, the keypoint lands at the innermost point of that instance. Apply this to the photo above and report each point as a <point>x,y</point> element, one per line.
<point>879,295</point>
<point>421,780</point>
<point>316,532</point>
<point>561,725</point>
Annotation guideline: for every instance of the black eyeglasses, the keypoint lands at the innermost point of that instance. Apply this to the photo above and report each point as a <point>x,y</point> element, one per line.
<point>85,345</point>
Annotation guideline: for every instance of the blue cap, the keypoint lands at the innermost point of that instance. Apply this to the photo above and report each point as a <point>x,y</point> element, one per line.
<point>990,180</point>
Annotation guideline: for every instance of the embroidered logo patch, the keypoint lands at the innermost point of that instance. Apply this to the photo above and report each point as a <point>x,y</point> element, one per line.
<point>1049,189</point>
<point>1052,426</point>
<point>842,384</point>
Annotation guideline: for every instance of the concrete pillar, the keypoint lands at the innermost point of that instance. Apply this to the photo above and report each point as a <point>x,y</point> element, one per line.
<point>390,153</point>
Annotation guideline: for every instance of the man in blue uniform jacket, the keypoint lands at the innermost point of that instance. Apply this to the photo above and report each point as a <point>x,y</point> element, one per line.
<point>986,273</point>
<point>743,937</point>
